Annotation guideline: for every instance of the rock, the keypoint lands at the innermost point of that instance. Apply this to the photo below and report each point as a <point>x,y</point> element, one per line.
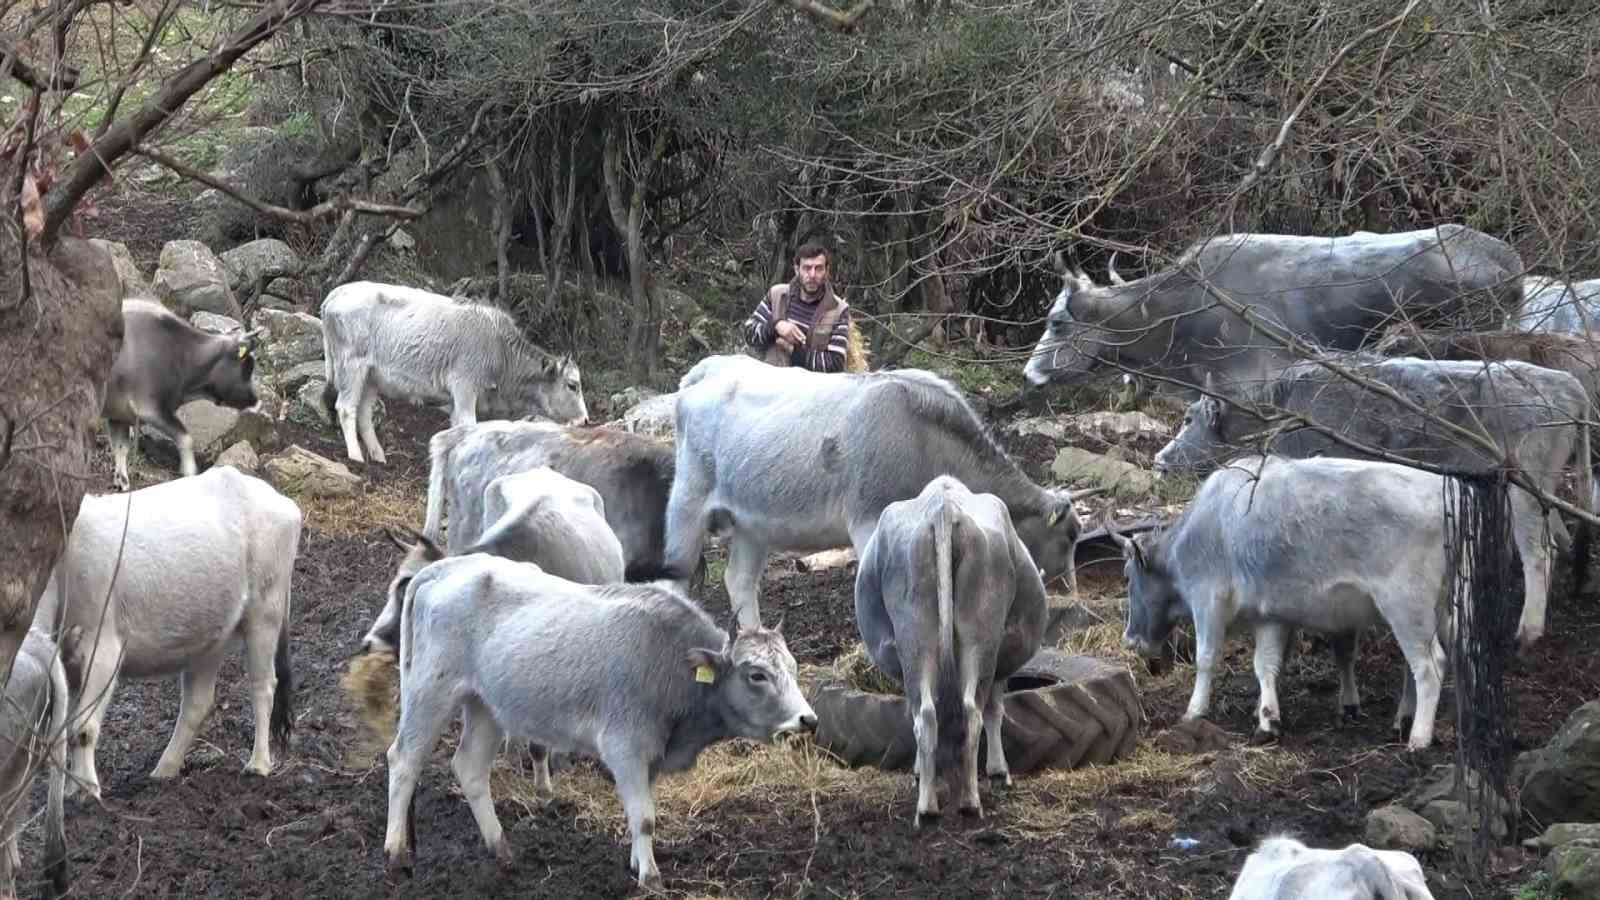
<point>1397,828</point>
<point>655,417</point>
<point>190,279</point>
<point>1566,833</point>
<point>244,262</point>
<point>215,428</point>
<point>307,408</point>
<point>1085,469</point>
<point>827,559</point>
<point>241,456</point>
<point>288,339</point>
<point>629,397</point>
<point>1197,736</point>
<point>132,280</point>
<point>402,240</point>
<point>300,473</point>
<point>1115,427</point>
<point>215,324</point>
<point>290,380</point>
<point>1048,427</point>
<point>1574,871</point>
<point>1455,820</point>
<point>1562,781</point>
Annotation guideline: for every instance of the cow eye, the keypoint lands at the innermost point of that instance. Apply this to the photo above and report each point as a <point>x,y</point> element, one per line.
<point>758,677</point>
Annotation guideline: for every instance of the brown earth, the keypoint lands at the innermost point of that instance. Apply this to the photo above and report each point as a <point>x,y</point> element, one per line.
<point>750,821</point>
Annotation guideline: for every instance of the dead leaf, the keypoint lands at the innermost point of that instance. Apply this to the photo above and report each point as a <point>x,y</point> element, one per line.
<point>79,141</point>
<point>32,208</point>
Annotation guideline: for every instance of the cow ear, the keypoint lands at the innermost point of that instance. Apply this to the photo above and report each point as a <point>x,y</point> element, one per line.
<point>551,366</point>
<point>778,628</point>
<point>706,665</point>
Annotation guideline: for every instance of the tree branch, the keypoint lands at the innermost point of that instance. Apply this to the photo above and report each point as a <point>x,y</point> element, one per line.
<point>61,78</point>
<point>95,163</point>
<point>844,21</point>
<point>324,210</point>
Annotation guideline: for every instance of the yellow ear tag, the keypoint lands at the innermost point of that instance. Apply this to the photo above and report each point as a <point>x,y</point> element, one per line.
<point>244,350</point>
<point>705,674</point>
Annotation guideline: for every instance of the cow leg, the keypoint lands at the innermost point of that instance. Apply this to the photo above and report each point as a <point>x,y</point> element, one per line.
<point>972,723</point>
<point>1425,660</point>
<point>1527,523</point>
<point>637,791</point>
<point>1345,647</point>
<point>1271,638</point>
<point>352,382</point>
<point>423,717</point>
<point>746,558</point>
<point>686,517</point>
<point>925,726</point>
<point>99,682</point>
<point>173,428</point>
<point>463,404</point>
<point>199,694</point>
<point>121,437</point>
<point>369,436</point>
<point>260,644</point>
<point>1210,637</point>
<point>541,771</point>
<point>480,739</point>
<point>994,715</point>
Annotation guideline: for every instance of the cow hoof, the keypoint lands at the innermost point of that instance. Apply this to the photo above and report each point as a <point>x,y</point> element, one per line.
<point>261,769</point>
<point>916,821</point>
<point>1264,736</point>
<point>999,780</point>
<point>652,884</point>
<point>972,811</point>
<point>165,772</point>
<point>503,854</point>
<point>400,863</point>
<point>1352,714</point>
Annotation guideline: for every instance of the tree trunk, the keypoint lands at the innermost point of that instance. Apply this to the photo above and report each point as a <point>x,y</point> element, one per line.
<point>644,339</point>
<point>503,213</point>
<point>68,330</point>
<point>561,212</point>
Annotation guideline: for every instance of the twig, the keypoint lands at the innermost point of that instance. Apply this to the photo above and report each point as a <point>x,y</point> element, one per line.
<point>327,209</point>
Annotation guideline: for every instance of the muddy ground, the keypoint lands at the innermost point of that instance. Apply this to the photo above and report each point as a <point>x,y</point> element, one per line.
<point>752,821</point>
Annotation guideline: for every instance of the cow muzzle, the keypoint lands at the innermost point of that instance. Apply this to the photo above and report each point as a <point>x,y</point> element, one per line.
<point>804,722</point>
<point>1142,646</point>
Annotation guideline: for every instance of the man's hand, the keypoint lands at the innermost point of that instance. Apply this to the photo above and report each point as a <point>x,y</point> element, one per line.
<point>785,345</point>
<point>789,331</point>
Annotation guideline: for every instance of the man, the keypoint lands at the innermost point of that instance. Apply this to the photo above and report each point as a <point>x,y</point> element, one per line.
<point>802,323</point>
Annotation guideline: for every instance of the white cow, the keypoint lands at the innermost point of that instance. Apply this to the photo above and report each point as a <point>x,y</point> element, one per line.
<point>161,581</point>
<point>33,737</point>
<point>1282,868</point>
<point>409,343</point>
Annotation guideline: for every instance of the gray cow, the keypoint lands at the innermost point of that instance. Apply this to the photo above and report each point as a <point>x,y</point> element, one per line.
<point>949,603</point>
<point>33,736</point>
<point>795,460</point>
<point>632,473</point>
<point>1334,291</point>
<point>636,675</point>
<point>1329,545</point>
<point>408,343</point>
<point>162,581</point>
<point>1535,413</point>
<point>539,516</point>
<point>1556,306</point>
<point>1283,868</point>
<point>165,362</point>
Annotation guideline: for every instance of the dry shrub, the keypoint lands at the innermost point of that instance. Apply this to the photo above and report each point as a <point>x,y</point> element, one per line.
<point>392,504</point>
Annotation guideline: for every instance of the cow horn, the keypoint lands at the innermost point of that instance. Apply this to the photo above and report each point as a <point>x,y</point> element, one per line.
<point>1060,263</point>
<point>1111,268</point>
<point>395,539</point>
<point>252,334</point>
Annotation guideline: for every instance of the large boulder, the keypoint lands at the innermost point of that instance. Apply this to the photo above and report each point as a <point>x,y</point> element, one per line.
<point>191,279</point>
<point>214,428</point>
<point>300,473</point>
<point>290,380</point>
<point>247,261</point>
<point>1088,470</point>
<point>656,417</point>
<point>289,339</point>
<point>1561,782</point>
<point>241,456</point>
<point>1574,871</point>
<point>134,285</point>
<point>212,323</point>
<point>1397,828</point>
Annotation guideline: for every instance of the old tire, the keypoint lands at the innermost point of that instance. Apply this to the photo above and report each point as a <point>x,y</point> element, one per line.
<point>1062,711</point>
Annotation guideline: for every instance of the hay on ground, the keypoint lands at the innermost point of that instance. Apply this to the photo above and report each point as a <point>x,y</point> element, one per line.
<point>372,682</point>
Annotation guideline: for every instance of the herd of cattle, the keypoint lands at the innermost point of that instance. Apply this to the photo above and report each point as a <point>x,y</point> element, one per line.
<point>557,610</point>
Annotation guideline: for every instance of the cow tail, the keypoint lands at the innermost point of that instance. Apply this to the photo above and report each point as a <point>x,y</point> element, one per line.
<point>282,722</point>
<point>440,446</point>
<point>330,392</point>
<point>948,701</point>
<point>55,850</point>
<point>1582,542</point>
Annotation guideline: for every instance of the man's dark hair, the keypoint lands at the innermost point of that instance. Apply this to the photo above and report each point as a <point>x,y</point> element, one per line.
<point>811,249</point>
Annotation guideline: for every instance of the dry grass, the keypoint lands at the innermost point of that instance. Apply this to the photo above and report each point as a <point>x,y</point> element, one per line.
<point>372,685</point>
<point>394,504</point>
<point>854,669</point>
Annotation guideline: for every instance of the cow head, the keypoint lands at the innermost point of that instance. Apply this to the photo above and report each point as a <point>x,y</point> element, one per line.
<point>1051,534</point>
<point>418,556</point>
<point>1077,342</point>
<point>1154,604</point>
<point>754,681</point>
<point>228,381</point>
<point>550,387</point>
<point>1200,444</point>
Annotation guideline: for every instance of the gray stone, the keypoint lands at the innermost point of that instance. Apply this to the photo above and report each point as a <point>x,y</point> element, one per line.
<point>1455,820</point>
<point>214,428</point>
<point>134,285</point>
<point>307,408</point>
<point>1113,427</point>
<point>1566,833</point>
<point>826,559</point>
<point>300,473</point>
<point>629,397</point>
<point>290,380</point>
<point>288,339</point>
<point>1087,470</point>
<point>214,324</point>
<point>1562,781</point>
<point>655,417</point>
<point>1398,828</point>
<point>1574,871</point>
<point>241,456</point>
<point>191,279</point>
<point>244,262</point>
<point>1046,426</point>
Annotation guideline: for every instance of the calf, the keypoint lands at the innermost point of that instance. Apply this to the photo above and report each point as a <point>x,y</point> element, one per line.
<point>33,736</point>
<point>795,460</point>
<point>636,675</point>
<point>1536,415</point>
<point>161,581</point>
<point>163,363</point>
<point>1331,545</point>
<point>408,343</point>
<point>538,516</point>
<point>1284,869</point>
<point>949,603</point>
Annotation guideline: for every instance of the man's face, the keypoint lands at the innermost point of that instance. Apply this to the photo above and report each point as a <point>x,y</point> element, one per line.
<point>813,271</point>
